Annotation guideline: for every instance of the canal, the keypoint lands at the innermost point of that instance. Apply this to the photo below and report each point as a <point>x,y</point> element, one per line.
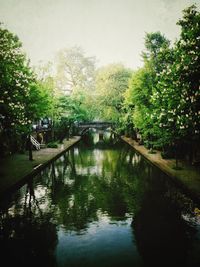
<point>100,204</point>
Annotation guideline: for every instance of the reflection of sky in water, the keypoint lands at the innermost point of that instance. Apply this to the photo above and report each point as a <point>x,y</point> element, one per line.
<point>39,202</point>
<point>109,237</point>
<point>97,166</point>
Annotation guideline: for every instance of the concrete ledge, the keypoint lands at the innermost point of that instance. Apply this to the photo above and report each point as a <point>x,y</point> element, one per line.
<point>188,178</point>
<point>17,169</point>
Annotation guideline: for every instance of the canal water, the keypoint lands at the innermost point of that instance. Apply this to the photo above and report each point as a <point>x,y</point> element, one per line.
<point>100,204</point>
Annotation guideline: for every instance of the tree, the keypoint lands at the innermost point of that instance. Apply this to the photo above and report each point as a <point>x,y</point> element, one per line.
<point>137,100</point>
<point>183,89</point>
<point>49,92</point>
<point>155,43</point>
<point>15,79</point>
<point>71,109</point>
<point>188,53</point>
<point>111,83</point>
<point>165,93</point>
<point>144,85</point>
<point>74,107</point>
<point>74,70</point>
<point>40,102</point>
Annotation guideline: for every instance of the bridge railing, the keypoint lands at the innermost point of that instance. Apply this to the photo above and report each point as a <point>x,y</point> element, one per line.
<point>94,124</point>
<point>35,142</point>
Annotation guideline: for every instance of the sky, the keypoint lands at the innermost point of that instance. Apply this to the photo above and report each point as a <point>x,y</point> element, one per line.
<point>111,30</point>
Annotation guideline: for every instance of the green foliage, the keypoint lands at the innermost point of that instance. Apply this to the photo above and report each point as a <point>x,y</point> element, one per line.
<point>178,104</point>
<point>74,107</point>
<point>187,78</point>
<point>62,128</point>
<point>138,97</point>
<point>168,154</point>
<point>40,101</point>
<point>111,83</point>
<point>163,97</point>
<point>75,81</point>
<point>23,99</point>
<point>161,100</point>
<point>15,79</point>
<point>52,145</point>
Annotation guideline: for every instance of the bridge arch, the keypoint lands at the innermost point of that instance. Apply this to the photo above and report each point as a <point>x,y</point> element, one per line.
<point>84,126</point>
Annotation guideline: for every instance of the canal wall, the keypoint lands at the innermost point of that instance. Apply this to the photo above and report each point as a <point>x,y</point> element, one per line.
<point>16,169</point>
<point>188,177</point>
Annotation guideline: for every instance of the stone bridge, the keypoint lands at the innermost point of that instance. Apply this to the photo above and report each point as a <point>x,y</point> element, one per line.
<point>100,125</point>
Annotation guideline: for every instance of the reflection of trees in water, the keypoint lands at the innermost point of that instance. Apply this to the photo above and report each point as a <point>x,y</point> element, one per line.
<point>102,140</point>
<point>163,237</point>
<point>129,185</point>
<point>30,201</point>
<point>27,235</point>
<point>78,185</point>
<point>111,192</point>
<point>26,242</point>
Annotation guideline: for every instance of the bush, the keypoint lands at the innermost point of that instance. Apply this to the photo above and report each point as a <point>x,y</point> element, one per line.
<point>151,151</point>
<point>168,154</point>
<point>177,168</point>
<point>52,145</point>
<point>147,144</point>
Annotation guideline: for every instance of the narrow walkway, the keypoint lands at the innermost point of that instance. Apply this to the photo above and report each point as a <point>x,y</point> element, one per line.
<point>188,177</point>
<point>15,169</point>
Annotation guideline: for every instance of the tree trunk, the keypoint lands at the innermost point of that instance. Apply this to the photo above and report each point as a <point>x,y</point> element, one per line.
<point>30,148</point>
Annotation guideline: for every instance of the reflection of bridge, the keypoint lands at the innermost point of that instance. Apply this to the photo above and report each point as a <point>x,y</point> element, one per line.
<point>100,125</point>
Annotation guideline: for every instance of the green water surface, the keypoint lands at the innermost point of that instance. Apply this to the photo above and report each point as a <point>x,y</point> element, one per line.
<point>100,204</point>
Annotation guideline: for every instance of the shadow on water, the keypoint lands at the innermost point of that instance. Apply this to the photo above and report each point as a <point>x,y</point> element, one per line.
<point>165,226</point>
<point>27,235</point>
<point>100,204</point>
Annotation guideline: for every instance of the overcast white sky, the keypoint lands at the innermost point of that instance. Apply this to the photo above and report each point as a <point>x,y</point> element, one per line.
<point>111,30</point>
